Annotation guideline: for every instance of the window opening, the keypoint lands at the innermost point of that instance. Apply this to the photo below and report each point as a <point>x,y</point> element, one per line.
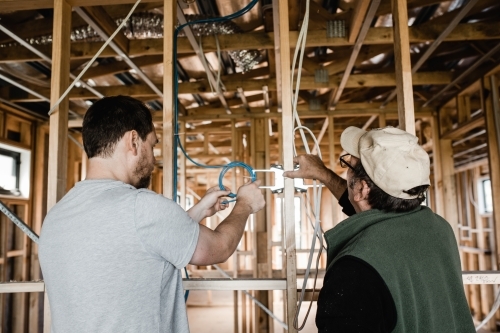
<point>10,164</point>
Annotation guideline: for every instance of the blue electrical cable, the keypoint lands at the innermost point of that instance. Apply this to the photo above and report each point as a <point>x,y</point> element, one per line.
<point>230,166</point>
<point>177,141</point>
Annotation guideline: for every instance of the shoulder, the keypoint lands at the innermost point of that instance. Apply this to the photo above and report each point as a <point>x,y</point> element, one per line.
<point>145,196</point>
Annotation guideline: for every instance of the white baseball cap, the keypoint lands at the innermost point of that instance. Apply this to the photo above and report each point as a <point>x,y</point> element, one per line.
<point>392,158</point>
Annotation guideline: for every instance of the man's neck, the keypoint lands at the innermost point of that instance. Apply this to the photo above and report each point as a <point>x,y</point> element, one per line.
<point>106,168</point>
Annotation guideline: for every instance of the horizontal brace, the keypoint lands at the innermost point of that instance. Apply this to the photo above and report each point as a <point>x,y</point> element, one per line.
<point>469,277</point>
<point>235,284</point>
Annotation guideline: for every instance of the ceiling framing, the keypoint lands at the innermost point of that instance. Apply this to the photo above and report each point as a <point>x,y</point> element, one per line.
<point>452,45</point>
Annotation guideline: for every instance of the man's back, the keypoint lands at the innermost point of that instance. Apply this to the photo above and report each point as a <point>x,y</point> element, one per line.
<point>110,256</point>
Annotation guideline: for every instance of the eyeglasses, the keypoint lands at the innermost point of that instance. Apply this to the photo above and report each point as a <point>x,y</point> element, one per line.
<point>344,163</point>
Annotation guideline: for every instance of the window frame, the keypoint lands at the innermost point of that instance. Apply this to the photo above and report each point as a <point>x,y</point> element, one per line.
<point>17,157</point>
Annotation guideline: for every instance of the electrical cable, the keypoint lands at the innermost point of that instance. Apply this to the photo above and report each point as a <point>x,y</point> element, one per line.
<point>177,142</point>
<point>233,165</point>
<point>300,49</point>
<point>494,309</point>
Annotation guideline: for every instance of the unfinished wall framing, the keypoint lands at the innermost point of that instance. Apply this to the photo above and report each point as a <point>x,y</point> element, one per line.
<point>451,102</point>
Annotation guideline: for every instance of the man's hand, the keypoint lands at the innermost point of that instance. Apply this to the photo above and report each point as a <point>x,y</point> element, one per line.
<point>251,195</point>
<point>310,167</point>
<point>210,204</point>
<point>215,246</point>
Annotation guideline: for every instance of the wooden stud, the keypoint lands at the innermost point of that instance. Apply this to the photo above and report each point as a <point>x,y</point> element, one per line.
<point>333,165</point>
<point>262,320</point>
<point>449,187</point>
<point>39,165</point>
<point>169,17</point>
<point>404,85</point>
<point>182,166</point>
<point>437,186</point>
<point>492,115</point>
<point>58,133</point>
<point>287,132</point>
<point>463,107</point>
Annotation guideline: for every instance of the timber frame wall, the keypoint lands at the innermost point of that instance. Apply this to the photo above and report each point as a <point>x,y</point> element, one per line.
<point>62,162</point>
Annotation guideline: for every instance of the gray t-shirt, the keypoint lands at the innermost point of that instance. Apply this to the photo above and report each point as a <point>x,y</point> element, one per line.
<point>110,257</point>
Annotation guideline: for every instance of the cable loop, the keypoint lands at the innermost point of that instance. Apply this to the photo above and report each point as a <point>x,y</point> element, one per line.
<point>234,165</point>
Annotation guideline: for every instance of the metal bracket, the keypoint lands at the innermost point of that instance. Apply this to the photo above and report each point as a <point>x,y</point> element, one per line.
<point>279,180</point>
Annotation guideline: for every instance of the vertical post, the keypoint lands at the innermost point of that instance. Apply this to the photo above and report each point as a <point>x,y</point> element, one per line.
<point>438,175</point>
<point>333,164</point>
<point>287,132</point>
<point>404,85</point>
<point>169,21</point>
<point>463,106</point>
<point>39,166</point>
<point>449,185</point>
<point>381,120</point>
<point>182,166</point>
<point>235,145</point>
<point>58,133</point>
<point>492,114</point>
<point>259,159</point>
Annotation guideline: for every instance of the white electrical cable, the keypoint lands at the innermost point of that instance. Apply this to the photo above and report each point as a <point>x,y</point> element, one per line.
<point>302,42</point>
<point>77,79</point>
<point>494,309</point>
<point>317,191</point>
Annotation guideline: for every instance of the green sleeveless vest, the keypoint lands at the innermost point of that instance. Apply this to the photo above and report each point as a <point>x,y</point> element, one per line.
<point>416,254</point>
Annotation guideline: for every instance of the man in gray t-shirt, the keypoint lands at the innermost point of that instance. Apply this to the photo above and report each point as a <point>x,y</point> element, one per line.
<point>111,251</point>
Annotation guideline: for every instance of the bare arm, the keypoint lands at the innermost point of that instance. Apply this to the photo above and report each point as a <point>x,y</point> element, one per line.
<point>311,167</point>
<point>216,246</point>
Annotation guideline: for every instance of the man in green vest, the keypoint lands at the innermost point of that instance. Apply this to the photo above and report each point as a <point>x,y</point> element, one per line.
<point>393,265</point>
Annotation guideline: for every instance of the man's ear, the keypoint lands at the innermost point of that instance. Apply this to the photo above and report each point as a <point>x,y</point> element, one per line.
<point>361,191</point>
<point>132,141</point>
<point>365,190</point>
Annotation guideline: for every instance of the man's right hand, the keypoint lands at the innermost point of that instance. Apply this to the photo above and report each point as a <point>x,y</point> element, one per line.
<point>251,195</point>
<point>310,167</point>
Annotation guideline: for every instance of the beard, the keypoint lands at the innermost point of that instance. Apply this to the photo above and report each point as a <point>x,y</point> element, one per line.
<point>143,172</point>
<point>143,182</point>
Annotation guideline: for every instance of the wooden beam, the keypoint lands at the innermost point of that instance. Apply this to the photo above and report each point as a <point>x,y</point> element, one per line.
<point>235,284</point>
<point>14,5</point>
<point>437,186</point>
<point>170,10</point>
<point>386,7</point>
<point>404,85</point>
<point>288,228</point>
<point>22,287</point>
<point>492,115</point>
<point>464,128</point>
<point>264,40</point>
<point>360,10</point>
<point>463,108</point>
<point>354,55</point>
<point>58,132</point>
<point>263,263</point>
<point>307,83</point>
<point>120,67</point>
<point>108,25</point>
